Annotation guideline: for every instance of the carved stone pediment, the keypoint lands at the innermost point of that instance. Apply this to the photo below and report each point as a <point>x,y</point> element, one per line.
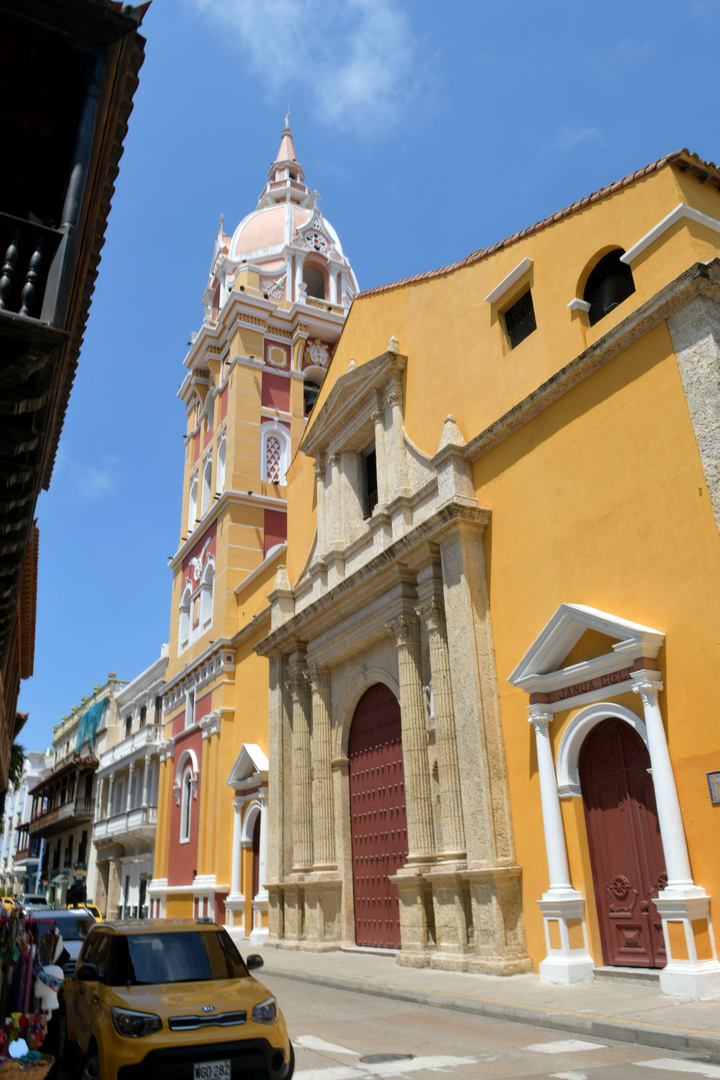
<point>351,402</point>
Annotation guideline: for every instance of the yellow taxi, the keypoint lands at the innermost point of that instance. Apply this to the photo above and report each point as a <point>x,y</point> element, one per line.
<point>8,902</point>
<point>92,908</point>
<point>171,998</point>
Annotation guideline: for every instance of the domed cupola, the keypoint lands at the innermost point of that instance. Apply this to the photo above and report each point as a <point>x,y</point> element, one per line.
<point>289,241</point>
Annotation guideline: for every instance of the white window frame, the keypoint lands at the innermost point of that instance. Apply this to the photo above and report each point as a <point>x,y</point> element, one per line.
<point>221,456</point>
<point>186,805</point>
<point>192,502</point>
<point>274,428</point>
<point>206,491</point>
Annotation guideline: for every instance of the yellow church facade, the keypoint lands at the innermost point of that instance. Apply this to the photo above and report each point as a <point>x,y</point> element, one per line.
<point>492,742</point>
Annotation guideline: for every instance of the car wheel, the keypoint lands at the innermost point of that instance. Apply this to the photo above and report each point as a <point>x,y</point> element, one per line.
<point>90,1069</point>
<point>291,1067</point>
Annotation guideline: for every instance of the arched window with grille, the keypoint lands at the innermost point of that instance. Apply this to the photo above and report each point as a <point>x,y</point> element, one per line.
<point>274,452</point>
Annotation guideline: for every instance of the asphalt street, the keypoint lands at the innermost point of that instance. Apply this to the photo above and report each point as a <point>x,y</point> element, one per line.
<point>340,1035</point>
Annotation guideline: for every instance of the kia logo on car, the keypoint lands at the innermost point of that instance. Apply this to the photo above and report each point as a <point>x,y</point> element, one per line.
<point>208,1008</point>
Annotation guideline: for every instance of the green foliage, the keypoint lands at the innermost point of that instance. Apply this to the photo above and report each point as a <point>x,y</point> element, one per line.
<point>17,764</point>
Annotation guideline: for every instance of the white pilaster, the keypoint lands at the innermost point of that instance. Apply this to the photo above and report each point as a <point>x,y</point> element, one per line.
<point>562,906</point>
<point>692,969</point>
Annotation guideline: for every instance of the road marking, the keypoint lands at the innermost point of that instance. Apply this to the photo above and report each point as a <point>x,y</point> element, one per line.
<point>570,1076</point>
<point>565,1046</point>
<point>388,1068</point>
<point>712,1072</point>
<point>310,1042</point>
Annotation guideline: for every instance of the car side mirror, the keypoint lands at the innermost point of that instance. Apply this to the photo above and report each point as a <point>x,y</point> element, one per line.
<point>69,969</point>
<point>88,973</point>
<point>255,960</point>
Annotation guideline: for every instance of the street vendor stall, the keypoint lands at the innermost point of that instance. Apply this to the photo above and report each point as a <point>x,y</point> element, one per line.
<point>30,979</point>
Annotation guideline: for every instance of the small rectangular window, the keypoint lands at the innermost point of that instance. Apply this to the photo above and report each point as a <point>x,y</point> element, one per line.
<point>520,320</point>
<point>189,708</point>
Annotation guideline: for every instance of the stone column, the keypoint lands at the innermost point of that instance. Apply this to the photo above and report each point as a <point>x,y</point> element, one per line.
<point>323,818</point>
<point>333,284</point>
<point>298,278</point>
<point>380,457</point>
<point>692,969</point>
<point>236,849</point>
<point>321,544</point>
<point>111,781</point>
<point>453,829</point>
<point>418,790</point>
<point>395,441</point>
<point>333,506</point>
<point>128,799</point>
<point>563,908</point>
<point>302,776</point>
<point>146,774</point>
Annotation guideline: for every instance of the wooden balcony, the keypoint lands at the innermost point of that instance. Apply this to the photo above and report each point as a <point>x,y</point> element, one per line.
<point>59,818</point>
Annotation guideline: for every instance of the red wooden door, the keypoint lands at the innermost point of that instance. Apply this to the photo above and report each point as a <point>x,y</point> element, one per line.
<point>626,851</point>
<point>378,822</point>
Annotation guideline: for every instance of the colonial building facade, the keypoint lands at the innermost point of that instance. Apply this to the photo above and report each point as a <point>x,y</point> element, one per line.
<point>504,516</point>
<point>126,784</point>
<point>63,802</point>
<point>276,300</point>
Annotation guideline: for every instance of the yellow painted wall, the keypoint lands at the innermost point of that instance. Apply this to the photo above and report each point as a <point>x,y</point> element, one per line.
<point>600,500</point>
<point>615,514</point>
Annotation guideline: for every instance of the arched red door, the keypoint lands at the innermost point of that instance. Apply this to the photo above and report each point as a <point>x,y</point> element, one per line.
<point>626,853</point>
<point>378,821</point>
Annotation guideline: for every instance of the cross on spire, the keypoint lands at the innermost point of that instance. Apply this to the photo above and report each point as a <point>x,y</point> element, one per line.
<point>316,198</point>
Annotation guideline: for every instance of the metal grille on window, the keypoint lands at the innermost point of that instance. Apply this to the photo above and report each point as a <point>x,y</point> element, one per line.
<point>272,459</point>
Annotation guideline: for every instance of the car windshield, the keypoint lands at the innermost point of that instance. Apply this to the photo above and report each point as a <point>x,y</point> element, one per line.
<point>71,924</point>
<point>182,956</point>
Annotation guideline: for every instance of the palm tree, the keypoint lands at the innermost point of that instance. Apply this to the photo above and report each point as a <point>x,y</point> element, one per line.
<point>17,765</point>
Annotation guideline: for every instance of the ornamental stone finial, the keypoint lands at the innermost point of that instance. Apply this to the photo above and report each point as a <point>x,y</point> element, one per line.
<point>451,434</point>
<point>393,345</point>
<point>282,581</point>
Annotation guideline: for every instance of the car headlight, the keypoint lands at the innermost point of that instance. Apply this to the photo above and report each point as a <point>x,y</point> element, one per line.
<point>266,1012</point>
<point>135,1024</point>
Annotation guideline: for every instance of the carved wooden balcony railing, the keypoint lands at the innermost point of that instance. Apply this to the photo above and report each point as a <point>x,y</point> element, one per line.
<point>28,252</point>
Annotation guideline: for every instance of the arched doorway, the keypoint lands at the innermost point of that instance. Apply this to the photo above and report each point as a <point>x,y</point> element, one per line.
<point>378,820</point>
<point>626,852</point>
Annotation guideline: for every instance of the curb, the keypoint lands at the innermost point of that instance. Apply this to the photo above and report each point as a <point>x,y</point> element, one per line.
<point>683,1040</point>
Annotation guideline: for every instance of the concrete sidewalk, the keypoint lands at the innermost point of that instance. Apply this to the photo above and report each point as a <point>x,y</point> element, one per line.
<point>629,1011</point>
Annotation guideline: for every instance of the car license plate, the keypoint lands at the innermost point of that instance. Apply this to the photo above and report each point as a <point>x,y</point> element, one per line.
<point>212,1070</point>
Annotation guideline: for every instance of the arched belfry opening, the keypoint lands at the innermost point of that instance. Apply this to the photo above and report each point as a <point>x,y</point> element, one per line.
<point>610,282</point>
<point>624,842</point>
<point>378,816</point>
<point>315,281</point>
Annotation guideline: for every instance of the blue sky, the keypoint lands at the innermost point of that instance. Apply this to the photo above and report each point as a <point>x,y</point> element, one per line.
<point>430,129</point>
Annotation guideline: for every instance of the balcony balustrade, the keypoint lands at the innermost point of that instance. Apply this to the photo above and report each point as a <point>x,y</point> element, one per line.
<point>145,737</point>
<point>27,251</point>
<point>140,817</point>
<point>65,816</point>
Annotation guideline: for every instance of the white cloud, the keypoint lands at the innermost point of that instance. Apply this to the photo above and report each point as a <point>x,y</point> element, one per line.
<point>83,482</point>
<point>358,60</point>
<point>569,137</point>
